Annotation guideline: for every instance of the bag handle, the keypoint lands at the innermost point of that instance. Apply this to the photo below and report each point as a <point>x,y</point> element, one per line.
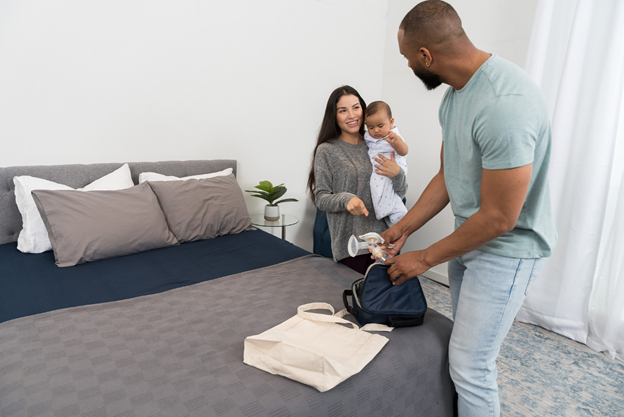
<point>302,311</point>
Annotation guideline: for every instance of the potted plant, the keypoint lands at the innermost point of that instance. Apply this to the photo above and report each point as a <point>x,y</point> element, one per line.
<point>270,193</point>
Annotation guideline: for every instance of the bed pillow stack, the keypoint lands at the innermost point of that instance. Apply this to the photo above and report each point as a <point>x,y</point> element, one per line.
<point>162,211</point>
<point>202,209</point>
<point>33,237</point>
<point>85,227</point>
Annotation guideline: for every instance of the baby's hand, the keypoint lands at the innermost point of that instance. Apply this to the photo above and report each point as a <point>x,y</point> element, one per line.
<point>397,143</point>
<point>391,138</point>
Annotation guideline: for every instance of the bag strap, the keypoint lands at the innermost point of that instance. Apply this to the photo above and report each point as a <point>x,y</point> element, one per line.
<point>349,309</point>
<point>302,311</point>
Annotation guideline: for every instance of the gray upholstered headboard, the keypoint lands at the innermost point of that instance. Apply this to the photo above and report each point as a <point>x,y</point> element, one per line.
<point>77,176</point>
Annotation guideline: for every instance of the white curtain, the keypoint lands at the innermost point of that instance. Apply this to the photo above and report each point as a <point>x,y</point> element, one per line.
<point>576,55</point>
<point>606,312</point>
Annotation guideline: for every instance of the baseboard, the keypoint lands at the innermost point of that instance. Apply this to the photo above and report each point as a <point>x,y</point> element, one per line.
<point>437,277</point>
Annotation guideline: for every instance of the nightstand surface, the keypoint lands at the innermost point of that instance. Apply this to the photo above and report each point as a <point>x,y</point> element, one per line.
<point>257,219</point>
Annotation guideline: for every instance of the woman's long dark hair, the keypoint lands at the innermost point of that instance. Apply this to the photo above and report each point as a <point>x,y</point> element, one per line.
<point>330,129</point>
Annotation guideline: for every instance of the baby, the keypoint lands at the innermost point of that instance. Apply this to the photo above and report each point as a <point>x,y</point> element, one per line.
<point>383,138</point>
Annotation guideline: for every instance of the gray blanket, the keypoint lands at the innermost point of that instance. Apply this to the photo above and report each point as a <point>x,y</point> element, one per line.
<point>180,353</point>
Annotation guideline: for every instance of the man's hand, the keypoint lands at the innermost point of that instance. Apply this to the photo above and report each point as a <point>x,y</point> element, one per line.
<point>406,266</point>
<point>357,207</point>
<point>395,236</point>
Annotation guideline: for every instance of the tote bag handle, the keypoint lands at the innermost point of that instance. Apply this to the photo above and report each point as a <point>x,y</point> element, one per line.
<point>302,311</point>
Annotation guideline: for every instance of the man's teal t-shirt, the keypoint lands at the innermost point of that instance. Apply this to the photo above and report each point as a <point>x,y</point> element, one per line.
<point>499,120</point>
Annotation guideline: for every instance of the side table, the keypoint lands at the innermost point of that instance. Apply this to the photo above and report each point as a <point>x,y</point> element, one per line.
<point>257,219</point>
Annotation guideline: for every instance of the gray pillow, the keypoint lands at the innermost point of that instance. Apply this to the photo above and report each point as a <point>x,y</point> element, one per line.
<point>86,226</point>
<point>203,209</point>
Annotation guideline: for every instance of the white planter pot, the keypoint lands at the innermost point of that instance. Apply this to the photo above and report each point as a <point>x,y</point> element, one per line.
<point>271,213</point>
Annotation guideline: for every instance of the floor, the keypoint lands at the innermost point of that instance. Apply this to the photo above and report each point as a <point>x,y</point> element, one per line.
<point>541,373</point>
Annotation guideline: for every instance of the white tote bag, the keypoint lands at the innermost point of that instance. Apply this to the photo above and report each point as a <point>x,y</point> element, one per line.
<point>313,348</point>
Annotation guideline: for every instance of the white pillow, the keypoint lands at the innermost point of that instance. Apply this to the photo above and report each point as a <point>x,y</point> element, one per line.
<point>34,237</point>
<point>154,176</point>
<point>119,179</point>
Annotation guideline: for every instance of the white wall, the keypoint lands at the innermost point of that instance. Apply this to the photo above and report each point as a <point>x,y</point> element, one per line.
<point>132,80</point>
<point>502,27</point>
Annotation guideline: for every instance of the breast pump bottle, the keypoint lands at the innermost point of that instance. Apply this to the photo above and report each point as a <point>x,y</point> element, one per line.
<point>371,241</point>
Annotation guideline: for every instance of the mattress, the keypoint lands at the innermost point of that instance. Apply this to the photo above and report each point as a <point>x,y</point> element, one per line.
<point>179,353</point>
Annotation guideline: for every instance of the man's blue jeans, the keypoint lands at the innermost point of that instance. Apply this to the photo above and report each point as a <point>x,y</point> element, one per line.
<point>486,291</point>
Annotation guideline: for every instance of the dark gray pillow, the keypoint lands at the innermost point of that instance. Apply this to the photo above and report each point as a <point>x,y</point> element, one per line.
<point>87,226</point>
<point>203,209</point>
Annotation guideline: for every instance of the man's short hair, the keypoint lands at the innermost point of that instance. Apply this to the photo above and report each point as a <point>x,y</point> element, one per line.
<point>377,106</point>
<point>431,23</point>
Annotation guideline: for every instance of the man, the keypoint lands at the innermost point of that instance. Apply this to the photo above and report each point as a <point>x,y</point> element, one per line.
<point>494,168</point>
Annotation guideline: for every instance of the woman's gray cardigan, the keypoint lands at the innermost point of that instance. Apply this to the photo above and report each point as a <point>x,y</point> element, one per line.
<point>342,171</point>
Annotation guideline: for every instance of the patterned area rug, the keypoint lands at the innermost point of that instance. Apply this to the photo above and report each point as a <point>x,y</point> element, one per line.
<point>541,373</point>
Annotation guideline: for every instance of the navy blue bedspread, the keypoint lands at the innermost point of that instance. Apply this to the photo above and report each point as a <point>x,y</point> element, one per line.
<point>33,284</point>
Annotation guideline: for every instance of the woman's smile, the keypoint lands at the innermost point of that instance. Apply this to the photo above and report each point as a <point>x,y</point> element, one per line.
<point>349,114</point>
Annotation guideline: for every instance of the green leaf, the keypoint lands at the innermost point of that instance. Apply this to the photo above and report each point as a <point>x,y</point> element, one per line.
<point>286,200</point>
<point>264,197</point>
<point>257,192</point>
<point>277,193</point>
<point>265,186</point>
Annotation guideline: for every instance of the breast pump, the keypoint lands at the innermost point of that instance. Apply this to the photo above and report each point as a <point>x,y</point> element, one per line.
<point>371,241</point>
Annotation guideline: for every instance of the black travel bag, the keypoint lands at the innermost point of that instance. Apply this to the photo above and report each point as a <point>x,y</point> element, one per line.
<point>376,300</point>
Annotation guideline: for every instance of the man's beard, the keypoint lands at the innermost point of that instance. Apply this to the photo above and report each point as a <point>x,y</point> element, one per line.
<point>431,80</point>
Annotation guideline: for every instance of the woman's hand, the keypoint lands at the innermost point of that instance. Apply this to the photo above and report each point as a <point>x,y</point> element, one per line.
<point>387,167</point>
<point>357,207</point>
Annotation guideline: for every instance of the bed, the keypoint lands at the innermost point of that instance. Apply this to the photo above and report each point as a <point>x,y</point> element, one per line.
<point>160,332</point>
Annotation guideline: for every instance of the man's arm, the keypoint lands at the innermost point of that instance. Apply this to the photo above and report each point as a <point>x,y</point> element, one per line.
<point>503,193</point>
<point>431,202</point>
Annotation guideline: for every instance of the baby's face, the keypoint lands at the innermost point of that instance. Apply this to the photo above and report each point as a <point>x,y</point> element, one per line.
<point>379,124</point>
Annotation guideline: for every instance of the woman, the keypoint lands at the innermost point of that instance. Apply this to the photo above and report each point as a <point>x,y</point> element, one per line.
<point>339,180</point>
